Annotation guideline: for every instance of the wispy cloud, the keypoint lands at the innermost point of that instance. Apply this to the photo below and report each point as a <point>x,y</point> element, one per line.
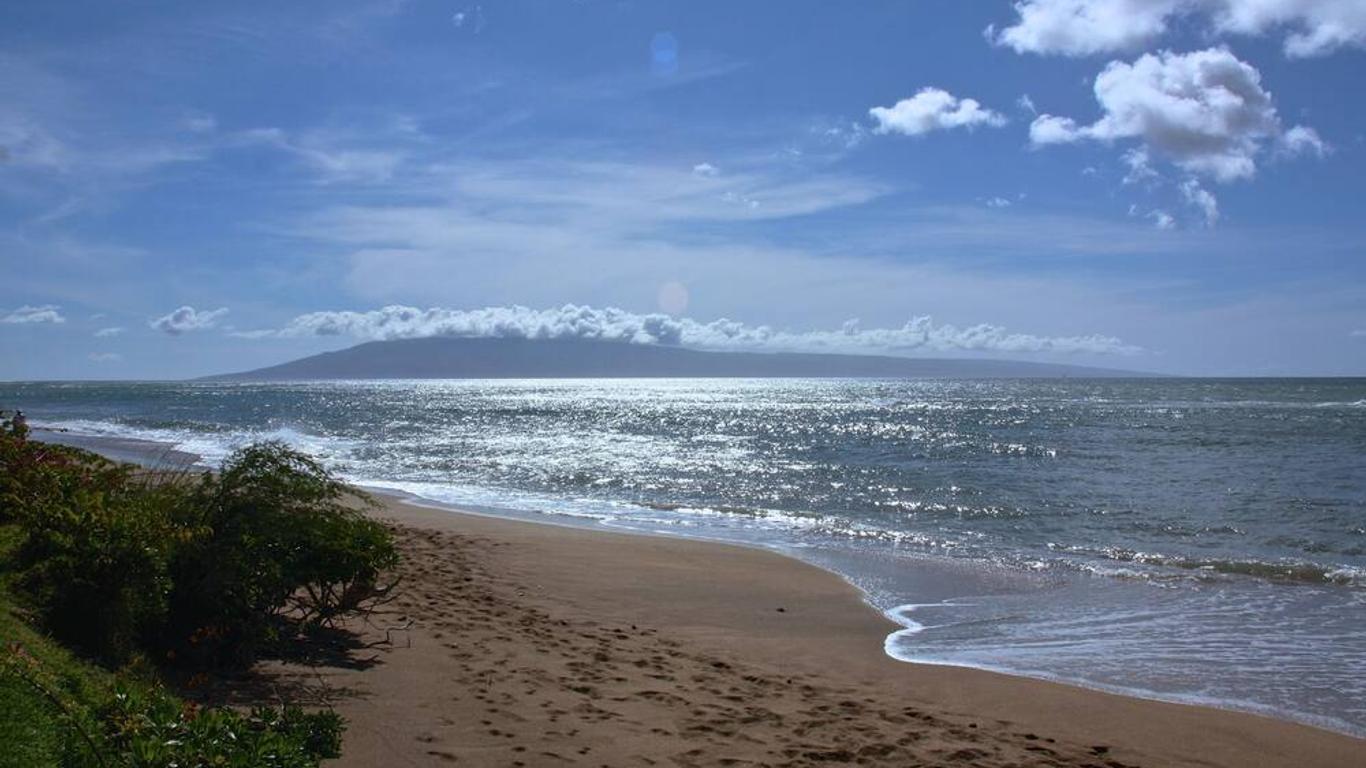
<point>1201,199</point>
<point>29,315</point>
<point>330,160</point>
<point>105,333</point>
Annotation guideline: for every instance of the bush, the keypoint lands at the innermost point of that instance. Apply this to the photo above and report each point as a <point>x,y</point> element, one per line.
<point>286,545</point>
<point>95,546</point>
<point>207,568</point>
<point>205,571</point>
<point>96,571</point>
<point>36,475</point>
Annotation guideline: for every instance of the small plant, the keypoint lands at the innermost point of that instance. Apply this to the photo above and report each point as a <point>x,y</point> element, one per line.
<point>148,727</point>
<point>140,725</point>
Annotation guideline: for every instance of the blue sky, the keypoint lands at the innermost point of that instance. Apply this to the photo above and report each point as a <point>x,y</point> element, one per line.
<point>1166,185</point>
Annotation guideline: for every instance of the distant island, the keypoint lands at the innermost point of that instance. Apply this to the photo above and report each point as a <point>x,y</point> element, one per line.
<point>494,358</point>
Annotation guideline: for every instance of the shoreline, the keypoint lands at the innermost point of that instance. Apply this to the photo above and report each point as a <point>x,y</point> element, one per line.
<point>1127,724</point>
<point>896,626</point>
<point>711,597</point>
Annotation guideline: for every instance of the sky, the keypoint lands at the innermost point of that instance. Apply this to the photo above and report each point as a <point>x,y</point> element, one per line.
<point>1159,185</point>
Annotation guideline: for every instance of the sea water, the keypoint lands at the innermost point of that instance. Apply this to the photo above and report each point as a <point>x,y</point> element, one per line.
<point>1192,540</point>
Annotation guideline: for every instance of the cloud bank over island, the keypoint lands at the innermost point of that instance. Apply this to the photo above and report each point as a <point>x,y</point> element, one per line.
<point>570,322</point>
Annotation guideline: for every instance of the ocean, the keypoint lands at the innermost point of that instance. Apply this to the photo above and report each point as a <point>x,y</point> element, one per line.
<point>1192,540</point>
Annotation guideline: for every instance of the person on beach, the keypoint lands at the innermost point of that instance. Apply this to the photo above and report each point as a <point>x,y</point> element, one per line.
<point>19,424</point>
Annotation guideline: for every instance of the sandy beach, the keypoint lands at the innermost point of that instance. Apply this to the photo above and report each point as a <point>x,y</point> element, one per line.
<point>522,644</point>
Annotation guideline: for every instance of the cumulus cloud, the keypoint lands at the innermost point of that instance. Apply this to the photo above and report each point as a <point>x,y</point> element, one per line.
<point>1314,27</point>
<point>920,334</point>
<point>1051,129</point>
<point>105,333</point>
<point>932,109</point>
<point>1303,140</point>
<point>1205,111</point>
<point>1084,27</point>
<point>187,319</point>
<point>27,315</point>
<point>1088,27</point>
<point>998,202</point>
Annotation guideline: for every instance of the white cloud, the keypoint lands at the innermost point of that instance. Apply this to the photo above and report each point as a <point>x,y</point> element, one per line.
<point>920,334</point>
<point>105,357</point>
<point>706,170</point>
<point>1087,27</point>
<point>26,315</point>
<point>1084,27</point>
<point>1315,27</point>
<point>1027,104</point>
<point>187,319</point>
<point>932,109</point>
<point>105,333</point>
<point>1303,140</point>
<point>998,202</point>
<point>1205,111</point>
<point>1201,199</point>
<point>1051,129</point>
<point>1162,219</point>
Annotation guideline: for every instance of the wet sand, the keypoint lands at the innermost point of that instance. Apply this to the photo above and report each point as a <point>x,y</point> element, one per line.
<point>521,644</point>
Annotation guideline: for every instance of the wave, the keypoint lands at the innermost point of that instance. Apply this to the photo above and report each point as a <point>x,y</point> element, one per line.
<point>1291,571</point>
<point>210,444</point>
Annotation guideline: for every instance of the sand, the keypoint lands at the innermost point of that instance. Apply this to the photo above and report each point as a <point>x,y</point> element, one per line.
<point>521,644</point>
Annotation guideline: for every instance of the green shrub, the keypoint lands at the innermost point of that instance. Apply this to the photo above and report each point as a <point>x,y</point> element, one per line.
<point>96,571</point>
<point>286,544</point>
<point>95,547</point>
<point>112,561</point>
<point>204,571</point>
<point>35,475</point>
